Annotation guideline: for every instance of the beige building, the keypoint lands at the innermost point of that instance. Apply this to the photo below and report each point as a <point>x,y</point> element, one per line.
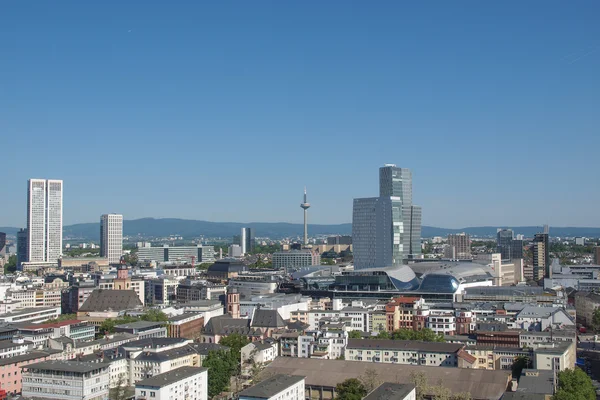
<point>407,352</point>
<point>89,264</point>
<point>460,246</point>
<point>585,305</point>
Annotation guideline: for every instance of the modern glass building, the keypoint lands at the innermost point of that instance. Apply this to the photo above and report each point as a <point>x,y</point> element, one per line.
<point>504,242</point>
<point>177,254</point>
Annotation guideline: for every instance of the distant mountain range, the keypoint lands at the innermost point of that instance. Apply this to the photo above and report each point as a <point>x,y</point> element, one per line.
<point>151,227</point>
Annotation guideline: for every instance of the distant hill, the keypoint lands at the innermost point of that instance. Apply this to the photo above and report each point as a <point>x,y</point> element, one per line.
<point>193,228</point>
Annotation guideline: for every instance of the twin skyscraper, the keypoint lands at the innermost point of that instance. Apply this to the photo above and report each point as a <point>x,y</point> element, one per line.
<point>386,230</point>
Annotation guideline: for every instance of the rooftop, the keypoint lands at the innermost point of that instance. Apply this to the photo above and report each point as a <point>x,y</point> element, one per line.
<point>271,386</point>
<point>403,345</point>
<point>390,391</point>
<point>53,324</point>
<point>168,378</point>
<point>32,355</point>
<point>482,384</point>
<point>109,299</point>
<point>67,366</point>
<point>185,316</point>
<point>139,325</point>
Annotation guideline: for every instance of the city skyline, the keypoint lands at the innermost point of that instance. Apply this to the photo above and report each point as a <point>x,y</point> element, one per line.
<point>366,87</point>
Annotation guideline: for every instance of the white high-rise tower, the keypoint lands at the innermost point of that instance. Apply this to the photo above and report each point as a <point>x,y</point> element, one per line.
<point>44,220</point>
<point>111,237</point>
<point>305,206</point>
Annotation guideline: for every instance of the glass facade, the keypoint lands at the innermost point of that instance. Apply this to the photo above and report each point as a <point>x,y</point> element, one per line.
<point>439,283</point>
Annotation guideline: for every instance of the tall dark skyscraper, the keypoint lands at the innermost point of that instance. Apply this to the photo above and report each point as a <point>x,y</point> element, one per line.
<point>2,244</point>
<point>504,241</point>
<point>22,246</point>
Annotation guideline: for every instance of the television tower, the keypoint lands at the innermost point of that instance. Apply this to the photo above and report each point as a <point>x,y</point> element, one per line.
<point>305,206</point>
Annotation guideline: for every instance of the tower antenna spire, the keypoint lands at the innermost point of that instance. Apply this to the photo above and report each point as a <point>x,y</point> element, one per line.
<point>305,206</point>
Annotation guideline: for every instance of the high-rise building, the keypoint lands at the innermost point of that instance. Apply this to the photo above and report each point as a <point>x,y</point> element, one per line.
<point>44,220</point>
<point>461,244</point>
<point>2,244</point>
<point>22,237</point>
<point>504,242</point>
<point>247,240</point>
<point>517,249</point>
<point>397,182</point>
<point>111,237</point>
<point>386,230</point>
<point>541,258</point>
<point>377,229</point>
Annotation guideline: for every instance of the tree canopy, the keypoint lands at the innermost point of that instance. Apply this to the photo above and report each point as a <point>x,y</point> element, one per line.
<point>221,366</point>
<point>350,389</point>
<point>354,334</point>
<point>235,342</point>
<point>596,320</point>
<point>108,325</point>
<point>574,384</point>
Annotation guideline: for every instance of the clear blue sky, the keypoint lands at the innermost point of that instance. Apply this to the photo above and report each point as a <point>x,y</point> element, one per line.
<point>223,111</point>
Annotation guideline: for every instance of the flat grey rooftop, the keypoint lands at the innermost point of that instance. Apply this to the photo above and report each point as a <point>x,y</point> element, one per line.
<point>270,387</point>
<point>168,378</point>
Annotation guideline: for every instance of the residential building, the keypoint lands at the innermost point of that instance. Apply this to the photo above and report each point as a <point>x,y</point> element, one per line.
<point>532,318</point>
<point>403,352</point>
<point>163,290</point>
<point>10,367</point>
<point>585,305</point>
<point>18,346</point>
<point>327,343</point>
<point>190,383</point>
<point>401,311</point>
<point>277,387</point>
<point>78,380</point>
<point>247,240</point>
<point>460,243</point>
<point>207,308</point>
<point>259,352</point>
<point>76,295</point>
<point>541,257</point>
<point>111,237</point>
<point>295,259</point>
<point>44,220</point>
<point>143,329</point>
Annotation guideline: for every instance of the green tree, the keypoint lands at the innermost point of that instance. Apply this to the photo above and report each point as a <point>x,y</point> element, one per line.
<point>574,384</point>
<point>355,335</point>
<point>350,389</point>
<point>11,265</point>
<point>62,317</point>
<point>108,325</point>
<point>154,315</point>
<point>220,369</point>
<point>519,364</point>
<point>235,342</point>
<point>596,320</point>
<point>383,335</point>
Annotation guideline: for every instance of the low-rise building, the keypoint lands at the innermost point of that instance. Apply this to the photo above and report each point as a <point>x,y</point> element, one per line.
<point>34,315</point>
<point>187,325</point>
<point>190,383</point>
<point>585,305</point>
<point>39,334</point>
<point>10,378</point>
<point>277,387</point>
<point>66,380</point>
<point>403,352</point>
<point>207,308</point>
<point>143,329</point>
<point>259,352</point>
<point>393,391</point>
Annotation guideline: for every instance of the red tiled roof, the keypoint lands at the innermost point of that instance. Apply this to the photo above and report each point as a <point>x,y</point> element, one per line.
<point>466,356</point>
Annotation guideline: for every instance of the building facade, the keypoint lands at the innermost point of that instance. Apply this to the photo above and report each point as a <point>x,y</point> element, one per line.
<point>111,237</point>
<point>177,254</point>
<point>44,220</point>
<point>247,240</point>
<point>541,257</point>
<point>295,259</point>
<point>189,383</point>
<point>461,244</point>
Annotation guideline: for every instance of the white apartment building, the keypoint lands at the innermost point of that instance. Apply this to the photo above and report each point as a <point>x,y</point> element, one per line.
<point>277,387</point>
<point>66,380</point>
<point>15,347</point>
<point>190,383</point>
<point>405,352</point>
<point>111,237</point>
<point>327,344</point>
<point>44,220</point>
<point>442,321</point>
<point>259,353</point>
